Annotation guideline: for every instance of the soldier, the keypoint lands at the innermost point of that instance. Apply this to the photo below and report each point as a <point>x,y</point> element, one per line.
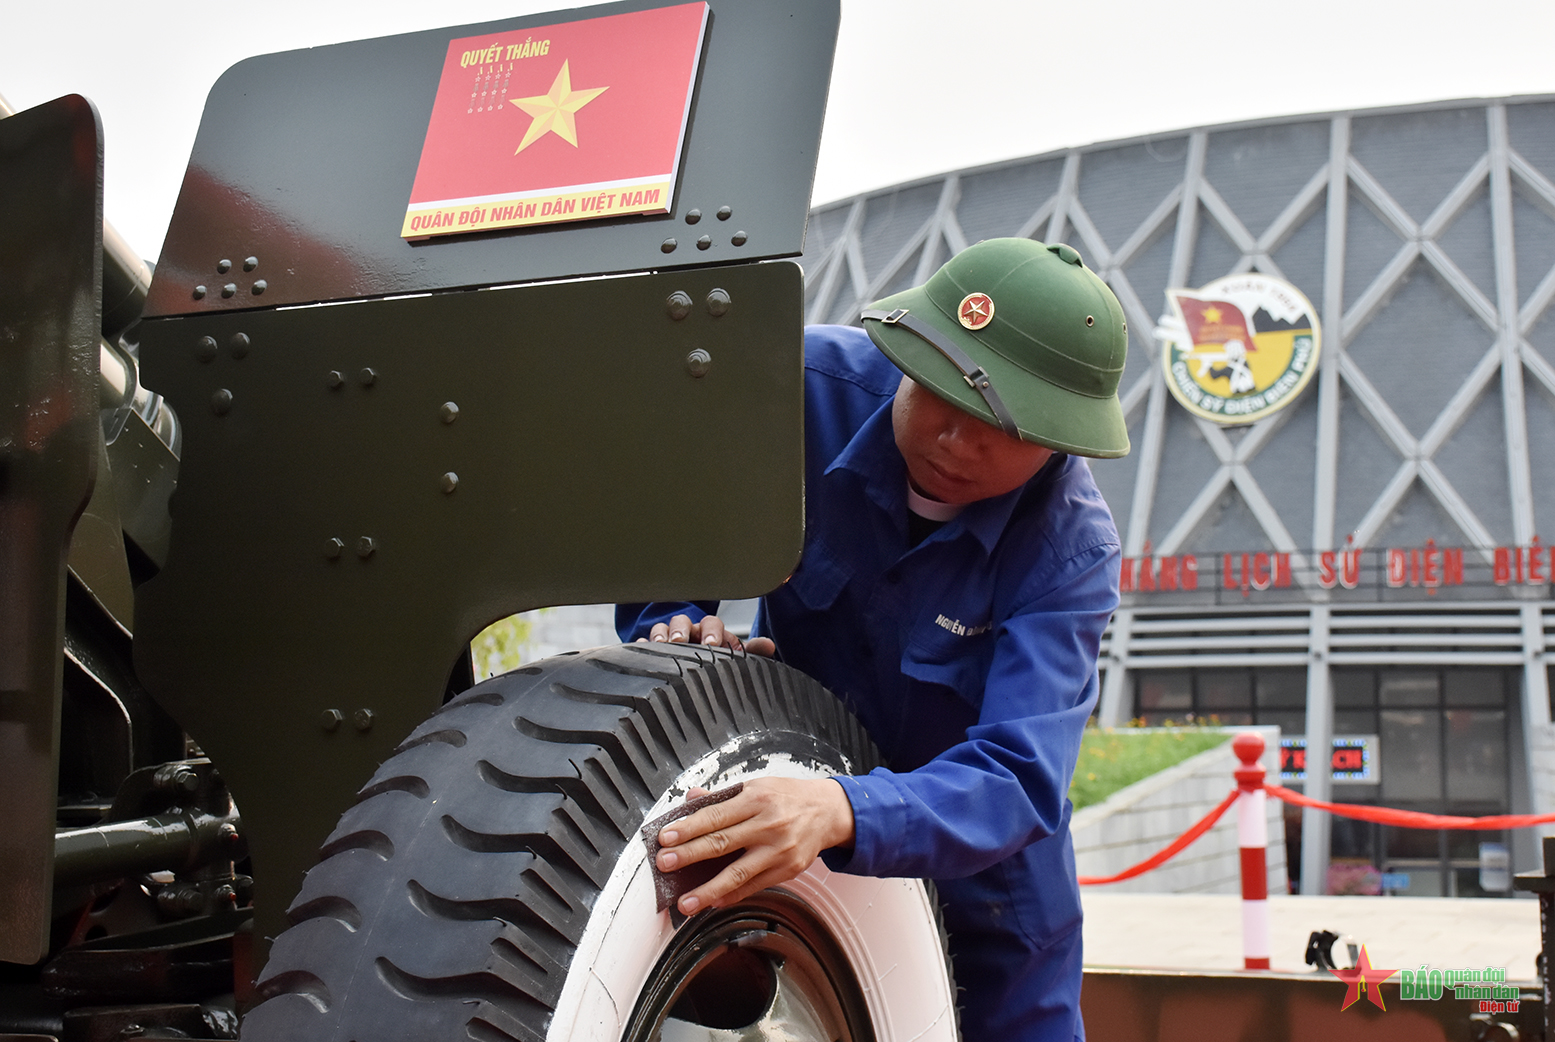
<point>959,568</point>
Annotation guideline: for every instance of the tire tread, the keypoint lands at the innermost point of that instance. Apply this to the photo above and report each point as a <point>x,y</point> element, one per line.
<point>449,901</point>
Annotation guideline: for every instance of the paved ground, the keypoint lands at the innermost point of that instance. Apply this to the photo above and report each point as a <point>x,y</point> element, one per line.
<point>1204,931</point>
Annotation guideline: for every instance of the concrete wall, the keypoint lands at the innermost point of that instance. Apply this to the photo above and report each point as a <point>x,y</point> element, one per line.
<point>570,627</point>
<point>1137,821</point>
<point>1540,752</point>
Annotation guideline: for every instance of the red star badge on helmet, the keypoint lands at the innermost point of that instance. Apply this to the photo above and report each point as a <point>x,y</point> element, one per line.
<point>976,310</point>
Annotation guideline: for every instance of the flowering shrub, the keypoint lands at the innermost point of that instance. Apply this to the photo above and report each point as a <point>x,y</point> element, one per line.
<point>1354,878</point>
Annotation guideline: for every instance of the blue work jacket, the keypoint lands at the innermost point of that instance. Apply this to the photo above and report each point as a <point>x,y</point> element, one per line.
<point>970,657</point>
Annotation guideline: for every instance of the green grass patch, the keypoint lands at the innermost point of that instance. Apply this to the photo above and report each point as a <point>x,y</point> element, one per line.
<point>1113,759</point>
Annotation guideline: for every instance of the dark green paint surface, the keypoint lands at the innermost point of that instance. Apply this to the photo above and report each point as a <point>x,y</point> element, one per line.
<point>50,267</point>
<point>592,466</point>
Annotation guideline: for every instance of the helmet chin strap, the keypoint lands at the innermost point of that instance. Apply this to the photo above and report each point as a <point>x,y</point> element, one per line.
<point>971,372</point>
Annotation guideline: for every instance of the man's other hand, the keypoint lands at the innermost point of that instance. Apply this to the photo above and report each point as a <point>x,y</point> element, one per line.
<point>782,824</point>
<point>710,631</point>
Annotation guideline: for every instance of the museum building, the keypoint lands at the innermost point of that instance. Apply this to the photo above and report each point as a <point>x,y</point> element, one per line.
<point>1340,389</point>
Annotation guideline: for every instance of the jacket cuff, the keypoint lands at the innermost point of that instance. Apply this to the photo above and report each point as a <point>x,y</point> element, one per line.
<point>879,824</point>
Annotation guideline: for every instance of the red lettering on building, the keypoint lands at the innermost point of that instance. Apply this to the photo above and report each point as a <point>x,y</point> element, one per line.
<point>1430,567</point>
<point>1398,568</point>
<point>1262,578</point>
<point>1452,567</point>
<point>1148,574</point>
<point>1350,577</point>
<point>1533,565</point>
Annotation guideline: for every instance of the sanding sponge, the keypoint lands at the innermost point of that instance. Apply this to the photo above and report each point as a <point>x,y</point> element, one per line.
<point>669,887</point>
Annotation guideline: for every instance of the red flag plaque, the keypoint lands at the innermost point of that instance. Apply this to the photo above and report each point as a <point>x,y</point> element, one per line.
<point>563,122</point>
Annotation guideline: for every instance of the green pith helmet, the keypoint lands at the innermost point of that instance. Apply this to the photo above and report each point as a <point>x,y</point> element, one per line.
<point>1020,334</point>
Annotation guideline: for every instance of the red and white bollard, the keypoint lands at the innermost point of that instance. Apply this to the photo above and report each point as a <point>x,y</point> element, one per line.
<point>1252,829</point>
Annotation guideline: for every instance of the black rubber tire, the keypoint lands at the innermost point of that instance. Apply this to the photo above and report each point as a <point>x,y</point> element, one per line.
<point>450,899</point>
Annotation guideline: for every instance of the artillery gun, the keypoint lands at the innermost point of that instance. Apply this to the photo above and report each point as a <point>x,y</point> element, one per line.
<point>233,616</point>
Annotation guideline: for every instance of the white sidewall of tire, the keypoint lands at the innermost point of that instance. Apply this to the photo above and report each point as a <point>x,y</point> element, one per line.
<point>886,927</point>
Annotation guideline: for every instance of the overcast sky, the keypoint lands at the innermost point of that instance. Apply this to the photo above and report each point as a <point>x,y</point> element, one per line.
<point>921,86</point>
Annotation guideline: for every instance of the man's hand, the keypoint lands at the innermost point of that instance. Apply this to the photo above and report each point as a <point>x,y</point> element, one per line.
<point>710,631</point>
<point>782,824</point>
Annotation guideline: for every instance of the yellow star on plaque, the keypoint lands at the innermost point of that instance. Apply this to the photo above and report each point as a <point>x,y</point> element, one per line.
<point>554,112</point>
<point>1210,314</point>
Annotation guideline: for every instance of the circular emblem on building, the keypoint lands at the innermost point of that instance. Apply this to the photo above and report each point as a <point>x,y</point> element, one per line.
<point>1239,349</point>
<point>976,310</point>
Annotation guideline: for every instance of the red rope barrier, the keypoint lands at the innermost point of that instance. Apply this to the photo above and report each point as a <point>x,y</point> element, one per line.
<point>1381,815</point>
<point>1411,819</point>
<point>1160,858</point>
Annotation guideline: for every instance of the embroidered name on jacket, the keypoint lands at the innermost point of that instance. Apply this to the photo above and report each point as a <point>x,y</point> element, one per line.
<point>960,629</point>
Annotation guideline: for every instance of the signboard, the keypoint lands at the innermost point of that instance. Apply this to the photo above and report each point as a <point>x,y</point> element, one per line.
<point>1354,759</point>
<point>565,122</point>
<point>1239,349</point>
<point>1395,573</point>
